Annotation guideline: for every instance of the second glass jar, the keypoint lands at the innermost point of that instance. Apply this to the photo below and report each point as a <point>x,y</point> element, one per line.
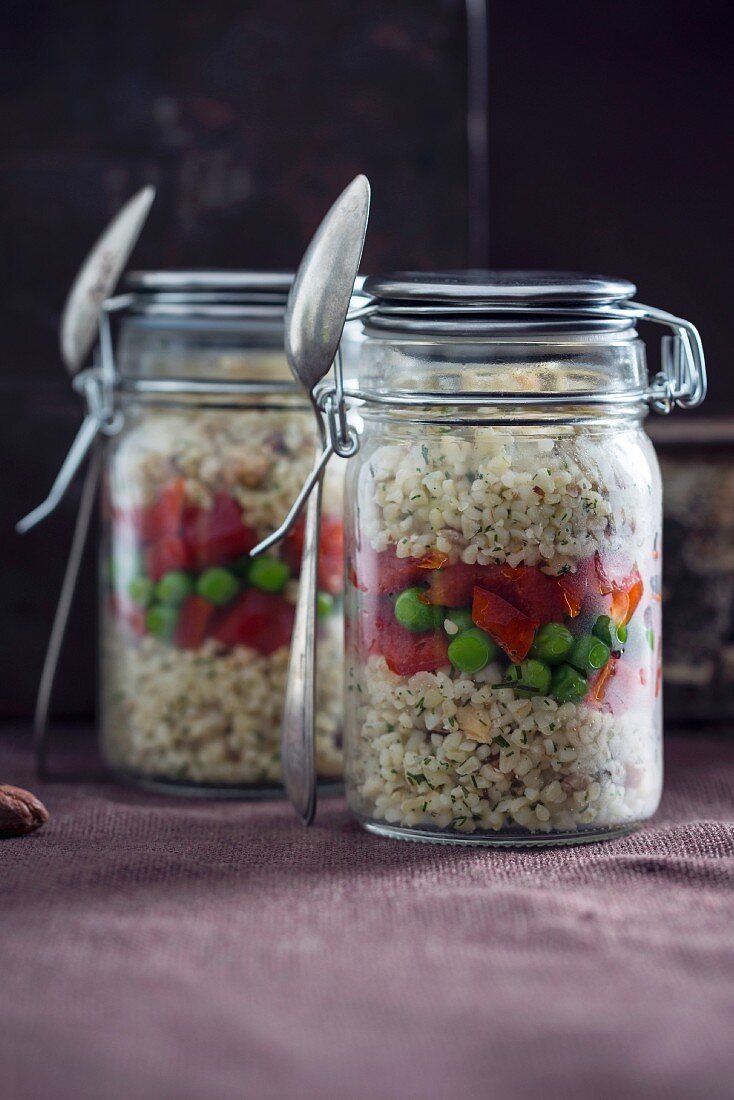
<point>195,635</point>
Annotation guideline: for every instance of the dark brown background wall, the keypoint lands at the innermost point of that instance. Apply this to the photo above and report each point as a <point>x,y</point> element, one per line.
<point>609,150</point>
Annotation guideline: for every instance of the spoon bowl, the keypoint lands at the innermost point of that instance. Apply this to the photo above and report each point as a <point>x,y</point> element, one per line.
<point>98,277</point>
<point>322,289</point>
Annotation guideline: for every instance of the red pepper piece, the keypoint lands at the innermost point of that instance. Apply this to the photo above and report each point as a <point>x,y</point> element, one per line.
<point>569,594</point>
<point>260,620</point>
<point>434,559</point>
<point>193,621</point>
<point>511,629</point>
<point>600,682</point>
<point>217,535</point>
<point>634,591</point>
<point>407,653</point>
<point>331,555</point>
<point>626,596</point>
<point>168,552</point>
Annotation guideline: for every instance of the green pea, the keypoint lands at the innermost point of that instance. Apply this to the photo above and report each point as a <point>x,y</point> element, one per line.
<point>552,644</point>
<point>589,654</point>
<point>461,618</point>
<point>325,604</point>
<point>161,621</point>
<point>140,590</point>
<point>472,650</point>
<point>609,632</point>
<point>268,573</point>
<point>412,613</point>
<point>174,587</point>
<point>529,677</point>
<point>568,685</point>
<point>217,585</point>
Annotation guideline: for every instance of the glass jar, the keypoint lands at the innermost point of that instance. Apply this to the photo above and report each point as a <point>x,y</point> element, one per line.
<point>214,444</point>
<point>503,559</point>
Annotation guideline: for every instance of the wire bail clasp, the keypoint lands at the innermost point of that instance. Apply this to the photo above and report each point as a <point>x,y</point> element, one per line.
<point>682,380</point>
<point>342,440</point>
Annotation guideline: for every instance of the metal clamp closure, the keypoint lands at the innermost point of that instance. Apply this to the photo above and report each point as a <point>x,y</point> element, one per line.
<point>100,418</point>
<point>682,379</point>
<point>342,439</point>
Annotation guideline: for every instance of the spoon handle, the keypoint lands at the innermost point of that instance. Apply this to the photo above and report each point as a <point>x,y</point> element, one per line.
<point>299,705</point>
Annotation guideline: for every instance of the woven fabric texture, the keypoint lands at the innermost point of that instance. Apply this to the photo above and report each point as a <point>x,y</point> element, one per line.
<point>156,949</point>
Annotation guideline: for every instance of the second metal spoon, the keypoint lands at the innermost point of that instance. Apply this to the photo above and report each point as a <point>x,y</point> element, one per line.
<point>314,322</point>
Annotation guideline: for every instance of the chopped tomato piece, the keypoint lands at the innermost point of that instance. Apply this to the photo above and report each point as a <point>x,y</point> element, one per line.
<point>260,620</point>
<point>385,572</point>
<point>604,585</point>
<point>353,578</point>
<point>193,621</point>
<point>165,516</point>
<point>217,535</point>
<point>407,653</point>
<point>292,545</point>
<point>331,555</point>
<point>538,595</point>
<point>586,581</point>
<point>169,552</point>
<point>374,616</point>
<point>452,586</point>
<point>511,629</point>
<point>535,593</point>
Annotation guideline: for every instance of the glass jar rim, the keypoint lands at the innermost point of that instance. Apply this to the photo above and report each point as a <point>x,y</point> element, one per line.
<point>208,294</point>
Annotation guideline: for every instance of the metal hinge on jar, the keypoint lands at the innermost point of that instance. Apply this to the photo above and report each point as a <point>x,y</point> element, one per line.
<point>682,379</point>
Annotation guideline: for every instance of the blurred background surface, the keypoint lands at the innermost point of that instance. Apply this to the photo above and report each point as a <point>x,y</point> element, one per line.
<point>609,131</point>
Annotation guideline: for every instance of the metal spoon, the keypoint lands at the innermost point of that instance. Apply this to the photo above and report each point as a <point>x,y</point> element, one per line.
<point>98,277</point>
<point>314,322</point>
<point>96,280</point>
<point>79,325</point>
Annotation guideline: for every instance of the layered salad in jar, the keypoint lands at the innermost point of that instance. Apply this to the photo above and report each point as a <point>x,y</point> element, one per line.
<point>503,633</point>
<point>196,634</point>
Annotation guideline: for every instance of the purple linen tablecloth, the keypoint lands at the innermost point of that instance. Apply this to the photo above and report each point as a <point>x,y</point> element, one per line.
<point>155,949</point>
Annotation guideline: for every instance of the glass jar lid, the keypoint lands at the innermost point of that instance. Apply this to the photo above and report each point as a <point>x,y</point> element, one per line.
<point>497,301</point>
<point>233,294</point>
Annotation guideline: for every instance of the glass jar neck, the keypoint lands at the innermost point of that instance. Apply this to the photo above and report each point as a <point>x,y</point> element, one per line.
<point>499,379</point>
